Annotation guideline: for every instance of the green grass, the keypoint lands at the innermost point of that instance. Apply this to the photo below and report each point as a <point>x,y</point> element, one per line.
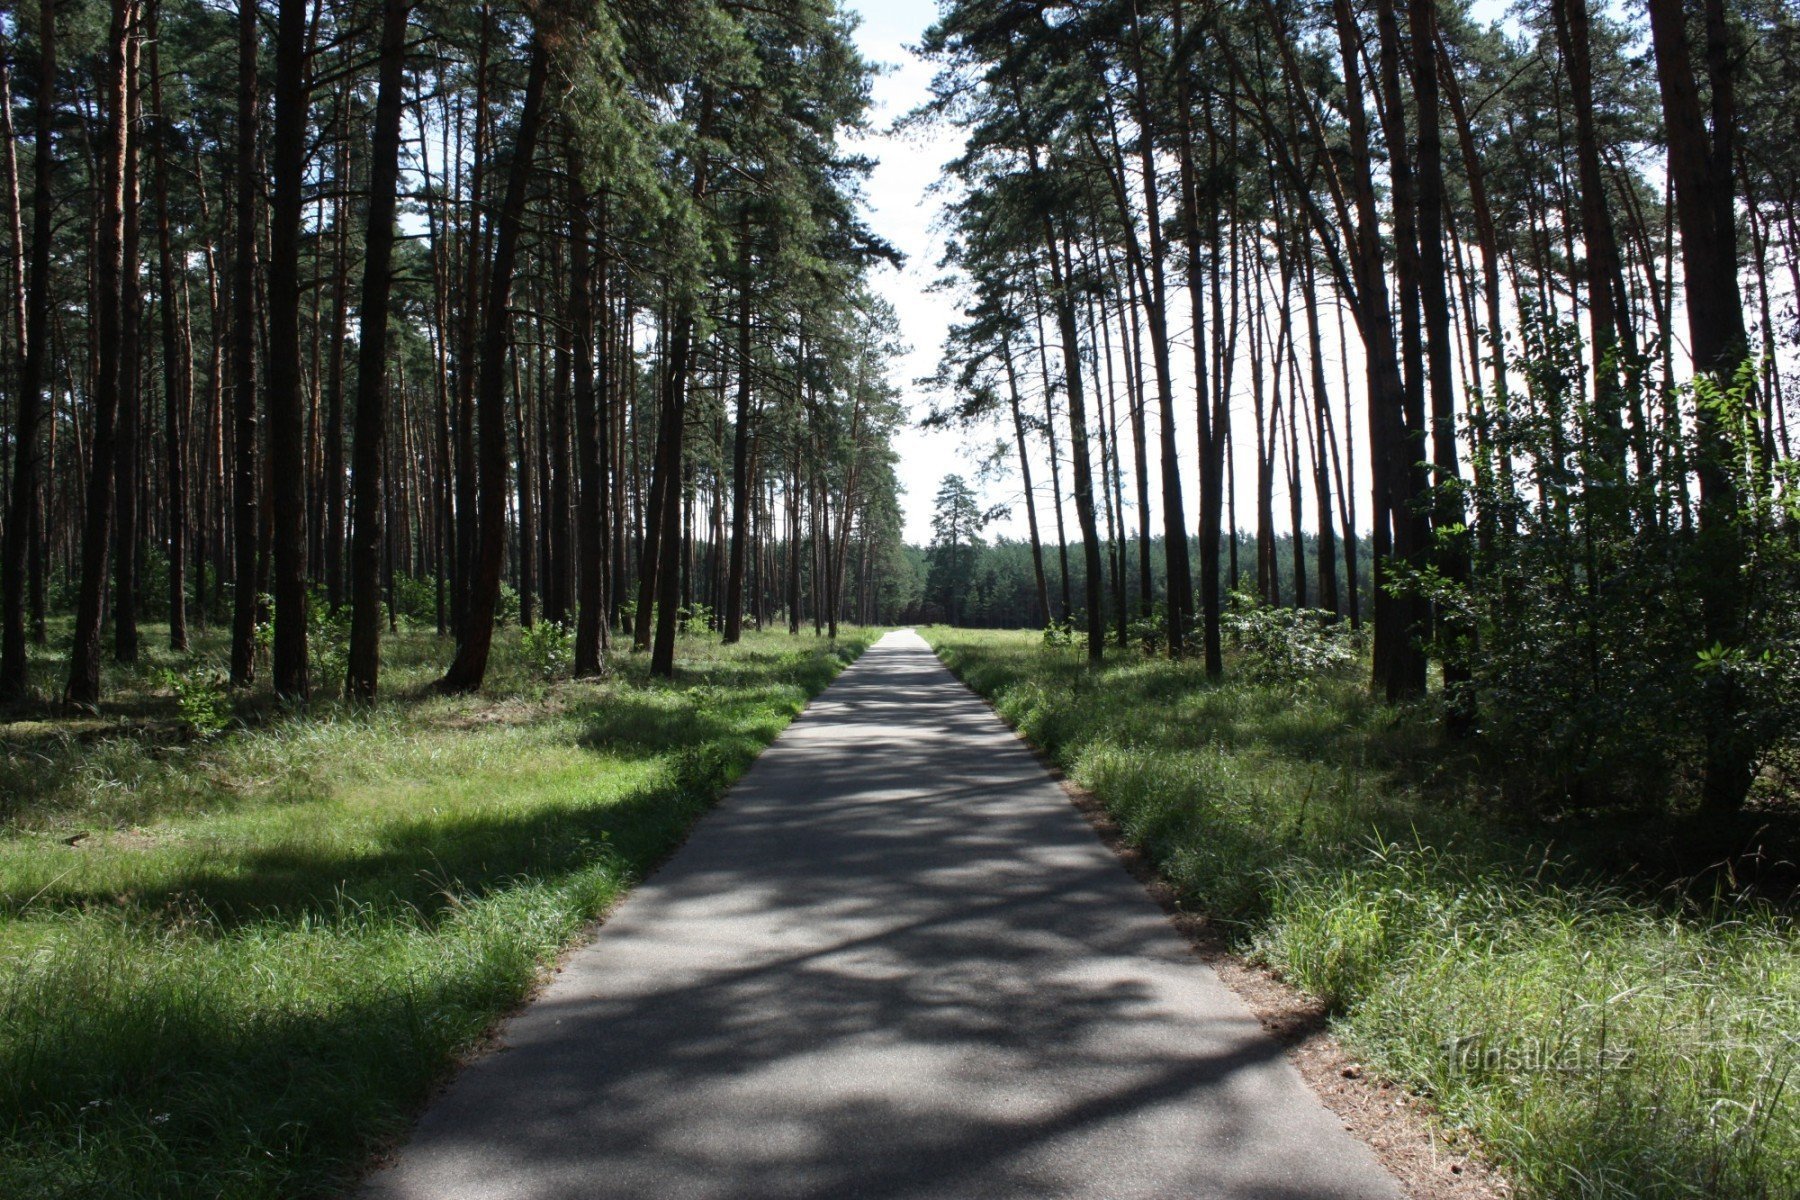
<point>1601,1034</point>
<point>235,967</point>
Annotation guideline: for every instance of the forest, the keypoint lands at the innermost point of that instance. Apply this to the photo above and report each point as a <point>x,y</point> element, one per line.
<point>343,312</point>
<point>442,445</point>
<point>1540,275</point>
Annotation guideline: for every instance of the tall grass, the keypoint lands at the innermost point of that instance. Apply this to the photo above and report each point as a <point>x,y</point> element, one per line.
<point>233,967</point>
<point>1601,1038</point>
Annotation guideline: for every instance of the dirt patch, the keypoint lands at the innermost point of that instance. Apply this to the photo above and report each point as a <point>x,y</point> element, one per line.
<point>509,711</point>
<point>118,839</point>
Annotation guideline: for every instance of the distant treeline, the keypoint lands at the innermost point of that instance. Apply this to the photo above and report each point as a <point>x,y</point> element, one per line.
<point>993,585</point>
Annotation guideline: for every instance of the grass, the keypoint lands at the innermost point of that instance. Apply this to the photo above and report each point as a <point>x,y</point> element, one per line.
<point>236,966</point>
<point>1601,1032</point>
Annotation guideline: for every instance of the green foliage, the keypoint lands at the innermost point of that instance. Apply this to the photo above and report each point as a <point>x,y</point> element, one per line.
<point>548,648</point>
<point>153,583</point>
<point>202,697</point>
<point>1286,645</point>
<point>1150,633</point>
<point>1591,671</point>
<point>262,636</point>
<point>506,607</point>
<point>415,599</point>
<point>1759,674</point>
<point>213,597</point>
<point>327,643</point>
<point>697,618</point>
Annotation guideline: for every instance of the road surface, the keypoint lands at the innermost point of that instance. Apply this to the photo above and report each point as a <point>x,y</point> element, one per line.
<point>894,962</point>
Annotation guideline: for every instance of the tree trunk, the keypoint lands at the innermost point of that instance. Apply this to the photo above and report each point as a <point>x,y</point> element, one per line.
<point>1031,518</point>
<point>177,383</point>
<point>1700,170</point>
<point>1063,300</point>
<point>131,406</point>
<point>470,666</point>
<point>1322,440</point>
<point>592,424</point>
<point>1399,665</point>
<point>16,558</point>
<point>287,448</point>
<point>243,359</point>
<point>670,468</point>
<point>83,686</point>
<point>740,448</point>
<point>1451,542</point>
<point>363,666</point>
<point>1180,595</point>
<point>1609,324</point>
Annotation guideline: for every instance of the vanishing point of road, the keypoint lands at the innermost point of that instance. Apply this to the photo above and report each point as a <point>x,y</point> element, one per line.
<point>894,962</point>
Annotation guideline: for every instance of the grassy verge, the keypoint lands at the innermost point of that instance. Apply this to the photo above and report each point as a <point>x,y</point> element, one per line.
<point>234,967</point>
<point>1601,1037</point>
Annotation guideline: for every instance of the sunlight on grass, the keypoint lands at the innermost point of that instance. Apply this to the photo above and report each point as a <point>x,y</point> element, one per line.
<point>1601,1039</point>
<point>232,967</point>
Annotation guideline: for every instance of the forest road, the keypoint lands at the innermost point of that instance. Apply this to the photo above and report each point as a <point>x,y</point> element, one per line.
<point>895,961</point>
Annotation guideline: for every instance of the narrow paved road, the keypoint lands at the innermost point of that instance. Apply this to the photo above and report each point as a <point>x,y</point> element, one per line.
<point>895,962</point>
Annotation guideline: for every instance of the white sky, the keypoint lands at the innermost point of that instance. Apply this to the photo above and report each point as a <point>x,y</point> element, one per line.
<point>901,212</point>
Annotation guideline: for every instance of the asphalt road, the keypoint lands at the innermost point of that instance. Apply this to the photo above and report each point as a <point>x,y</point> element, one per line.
<point>894,962</point>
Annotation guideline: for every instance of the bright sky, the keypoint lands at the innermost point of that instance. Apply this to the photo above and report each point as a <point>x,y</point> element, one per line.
<point>902,213</point>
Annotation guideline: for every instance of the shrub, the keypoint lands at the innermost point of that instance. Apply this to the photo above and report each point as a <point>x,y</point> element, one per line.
<point>697,618</point>
<point>506,608</point>
<point>415,598</point>
<point>327,642</point>
<point>548,648</point>
<point>203,697</point>
<point>1286,645</point>
<point>1593,679</point>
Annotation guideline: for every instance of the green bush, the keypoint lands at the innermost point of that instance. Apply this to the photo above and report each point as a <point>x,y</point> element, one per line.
<point>1286,645</point>
<point>203,698</point>
<point>415,599</point>
<point>506,607</point>
<point>548,648</point>
<point>1591,674</point>
<point>327,643</point>
<point>697,618</point>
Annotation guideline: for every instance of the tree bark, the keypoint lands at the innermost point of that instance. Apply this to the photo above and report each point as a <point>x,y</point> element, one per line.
<point>1700,170</point>
<point>591,428</point>
<point>1609,324</point>
<point>1452,545</point>
<point>131,405</point>
<point>1031,518</point>
<point>470,666</point>
<point>283,406</point>
<point>245,501</point>
<point>740,449</point>
<point>363,666</point>
<point>83,686</point>
<point>177,381</point>
<point>16,556</point>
